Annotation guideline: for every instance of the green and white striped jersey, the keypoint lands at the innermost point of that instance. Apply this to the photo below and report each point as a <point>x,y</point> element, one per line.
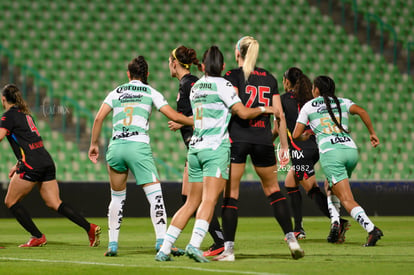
<point>328,135</point>
<point>211,100</point>
<point>132,103</point>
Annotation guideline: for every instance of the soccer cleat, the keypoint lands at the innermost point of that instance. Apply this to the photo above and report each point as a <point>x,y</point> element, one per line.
<point>374,236</point>
<point>112,249</point>
<point>300,234</point>
<point>93,234</point>
<point>295,249</point>
<point>214,250</point>
<point>225,257</point>
<point>33,242</point>
<point>161,257</point>
<point>175,251</point>
<point>195,254</point>
<point>343,227</point>
<point>334,233</point>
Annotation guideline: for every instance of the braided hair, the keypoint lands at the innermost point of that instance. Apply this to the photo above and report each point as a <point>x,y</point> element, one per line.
<point>326,87</point>
<point>13,96</point>
<point>138,69</point>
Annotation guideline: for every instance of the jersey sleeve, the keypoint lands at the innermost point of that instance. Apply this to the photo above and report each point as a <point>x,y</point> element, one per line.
<point>229,95</point>
<point>109,99</point>
<point>348,103</point>
<point>7,121</point>
<point>232,77</point>
<point>158,99</point>
<point>303,116</point>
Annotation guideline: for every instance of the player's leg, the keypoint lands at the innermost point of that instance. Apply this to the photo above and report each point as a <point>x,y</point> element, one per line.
<point>49,191</point>
<point>264,161</point>
<point>214,229</point>
<point>180,220</point>
<point>343,190</point>
<point>212,188</point>
<point>229,211</point>
<point>18,189</point>
<point>117,181</point>
<point>295,198</point>
<point>181,217</point>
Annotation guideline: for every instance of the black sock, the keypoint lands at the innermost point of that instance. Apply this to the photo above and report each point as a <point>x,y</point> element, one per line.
<point>215,230</point>
<point>281,211</point>
<point>320,199</point>
<point>75,217</point>
<point>296,203</point>
<point>229,218</point>
<point>184,198</point>
<point>23,217</point>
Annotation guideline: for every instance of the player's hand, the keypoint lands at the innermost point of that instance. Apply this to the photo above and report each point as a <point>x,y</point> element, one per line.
<point>93,153</point>
<point>374,140</point>
<point>269,110</point>
<point>174,126</point>
<point>12,171</point>
<point>283,157</point>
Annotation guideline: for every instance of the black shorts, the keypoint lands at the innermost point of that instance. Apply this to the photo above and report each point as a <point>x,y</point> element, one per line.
<point>303,161</point>
<point>261,155</point>
<point>42,174</point>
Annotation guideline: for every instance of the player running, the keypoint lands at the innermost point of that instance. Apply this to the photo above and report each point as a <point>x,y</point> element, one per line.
<point>180,62</point>
<point>34,166</point>
<point>129,148</point>
<point>304,155</point>
<point>255,87</point>
<point>328,118</point>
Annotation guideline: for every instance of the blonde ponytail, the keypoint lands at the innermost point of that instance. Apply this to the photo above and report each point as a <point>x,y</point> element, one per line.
<point>249,51</point>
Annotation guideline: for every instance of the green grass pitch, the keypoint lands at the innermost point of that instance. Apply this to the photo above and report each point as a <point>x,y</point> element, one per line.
<point>260,249</point>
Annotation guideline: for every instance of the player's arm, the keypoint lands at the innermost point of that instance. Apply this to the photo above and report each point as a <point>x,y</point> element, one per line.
<point>363,114</point>
<point>299,130</point>
<point>248,113</point>
<point>282,129</point>
<point>176,116</point>
<point>96,131</point>
<point>3,133</point>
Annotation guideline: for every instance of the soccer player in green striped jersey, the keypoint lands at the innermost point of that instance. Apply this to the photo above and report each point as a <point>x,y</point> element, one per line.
<point>328,117</point>
<point>129,148</point>
<point>213,100</point>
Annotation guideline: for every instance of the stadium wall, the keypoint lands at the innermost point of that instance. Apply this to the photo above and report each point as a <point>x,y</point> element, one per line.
<point>92,198</point>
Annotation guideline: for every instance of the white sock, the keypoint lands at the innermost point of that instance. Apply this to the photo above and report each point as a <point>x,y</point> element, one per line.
<point>360,216</point>
<point>115,214</point>
<point>157,209</point>
<point>334,206</point>
<point>199,232</point>
<point>229,247</point>
<point>169,239</point>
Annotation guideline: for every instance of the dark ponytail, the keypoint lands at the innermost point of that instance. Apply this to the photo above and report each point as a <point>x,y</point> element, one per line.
<point>13,96</point>
<point>326,87</point>
<point>138,69</point>
<point>213,61</point>
<point>301,85</point>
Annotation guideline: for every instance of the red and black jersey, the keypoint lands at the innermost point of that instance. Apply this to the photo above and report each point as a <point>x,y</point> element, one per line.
<point>25,139</point>
<point>257,91</point>
<point>184,105</point>
<point>291,109</point>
